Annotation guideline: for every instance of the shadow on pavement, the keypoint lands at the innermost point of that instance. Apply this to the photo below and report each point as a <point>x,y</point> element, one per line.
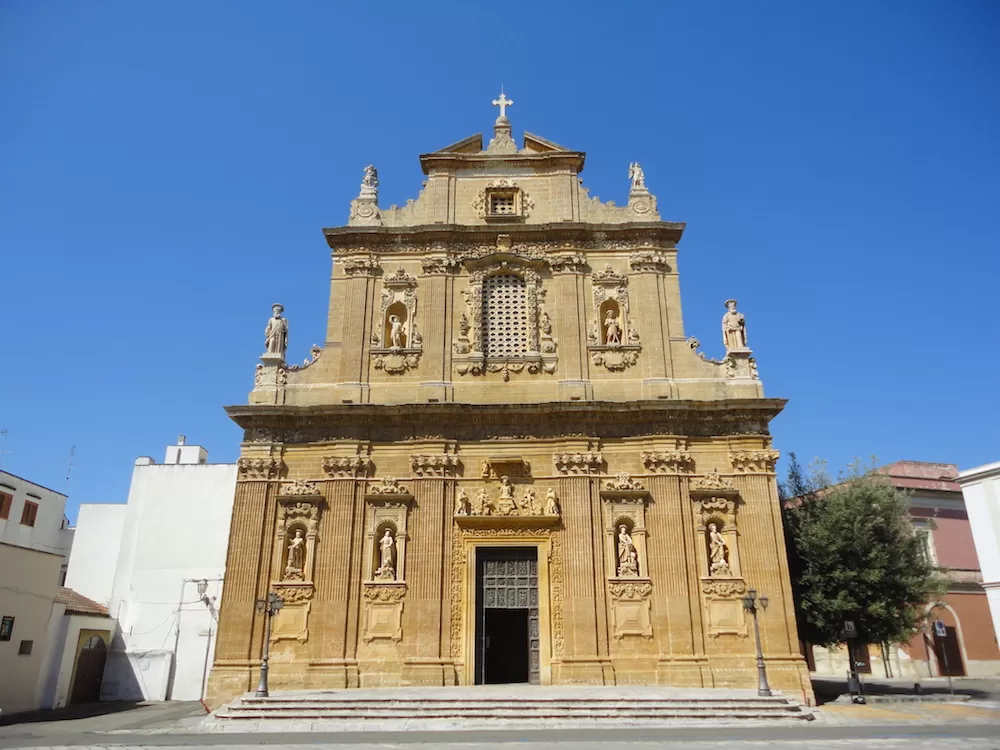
<point>69,713</point>
<point>828,689</point>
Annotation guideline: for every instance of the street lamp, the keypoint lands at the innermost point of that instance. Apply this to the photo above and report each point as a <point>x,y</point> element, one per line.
<point>269,606</point>
<point>750,604</point>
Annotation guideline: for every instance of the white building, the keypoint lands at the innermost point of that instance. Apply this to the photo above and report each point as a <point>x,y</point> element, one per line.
<point>981,489</point>
<point>157,563</point>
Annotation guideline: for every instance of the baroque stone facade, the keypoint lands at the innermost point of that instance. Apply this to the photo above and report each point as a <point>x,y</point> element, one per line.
<point>510,464</point>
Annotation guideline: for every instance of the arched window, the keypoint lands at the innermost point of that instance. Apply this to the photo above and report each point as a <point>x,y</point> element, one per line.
<point>505,316</point>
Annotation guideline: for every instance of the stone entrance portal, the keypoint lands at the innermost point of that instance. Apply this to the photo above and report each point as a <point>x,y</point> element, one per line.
<point>507,632</point>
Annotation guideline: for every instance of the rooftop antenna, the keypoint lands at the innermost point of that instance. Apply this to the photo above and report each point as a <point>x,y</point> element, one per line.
<point>69,468</point>
<point>3,451</point>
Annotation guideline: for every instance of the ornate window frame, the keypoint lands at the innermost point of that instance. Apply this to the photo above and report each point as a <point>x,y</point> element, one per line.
<point>469,346</point>
<point>484,201</point>
<point>399,288</point>
<point>609,285</point>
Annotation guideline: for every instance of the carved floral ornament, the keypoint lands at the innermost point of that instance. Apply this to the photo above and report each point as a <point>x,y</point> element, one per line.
<point>754,461</point>
<point>293,593</point>
<point>388,486</point>
<point>630,590</point>
<point>437,465</point>
<point>712,482</point>
<point>668,462</point>
<point>384,592</point>
<point>649,261</point>
<point>299,488</point>
<point>362,266</point>
<point>258,468</point>
<point>589,462</point>
<point>722,588</point>
<point>349,466</point>
<point>624,483</point>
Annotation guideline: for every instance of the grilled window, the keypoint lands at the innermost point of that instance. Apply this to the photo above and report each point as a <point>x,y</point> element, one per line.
<point>505,316</point>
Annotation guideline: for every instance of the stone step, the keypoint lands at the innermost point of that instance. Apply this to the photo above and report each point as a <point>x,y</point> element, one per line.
<point>415,708</point>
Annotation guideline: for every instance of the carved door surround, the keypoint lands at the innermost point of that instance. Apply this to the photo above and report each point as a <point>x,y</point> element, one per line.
<point>614,351</point>
<point>470,350</point>
<point>716,501</point>
<point>300,505</point>
<point>625,501</point>
<point>387,506</point>
<point>399,302</point>
<point>548,545</point>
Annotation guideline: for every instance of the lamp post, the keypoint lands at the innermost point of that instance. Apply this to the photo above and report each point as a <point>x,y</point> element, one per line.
<point>751,603</point>
<point>270,606</point>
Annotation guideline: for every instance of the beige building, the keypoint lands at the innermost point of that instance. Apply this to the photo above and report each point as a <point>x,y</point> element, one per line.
<point>508,462</point>
<point>28,582</point>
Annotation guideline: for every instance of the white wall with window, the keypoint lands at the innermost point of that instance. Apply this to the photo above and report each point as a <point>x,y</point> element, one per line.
<point>981,490</point>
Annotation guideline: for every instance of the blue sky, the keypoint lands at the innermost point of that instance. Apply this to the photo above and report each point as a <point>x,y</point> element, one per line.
<point>167,168</point>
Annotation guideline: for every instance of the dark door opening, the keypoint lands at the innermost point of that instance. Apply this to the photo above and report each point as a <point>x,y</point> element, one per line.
<point>89,672</point>
<point>507,642</point>
<point>506,633</point>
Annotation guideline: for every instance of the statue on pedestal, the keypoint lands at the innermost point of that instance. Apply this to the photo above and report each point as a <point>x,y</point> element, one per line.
<point>637,176</point>
<point>276,333</point>
<point>613,335</point>
<point>386,571</point>
<point>506,505</point>
<point>718,551</point>
<point>295,561</point>
<point>734,327</point>
<point>551,503</point>
<point>628,558</point>
<point>462,505</point>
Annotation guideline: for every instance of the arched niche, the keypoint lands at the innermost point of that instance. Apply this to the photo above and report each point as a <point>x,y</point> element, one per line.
<point>610,315</point>
<point>396,312</point>
<point>378,573</point>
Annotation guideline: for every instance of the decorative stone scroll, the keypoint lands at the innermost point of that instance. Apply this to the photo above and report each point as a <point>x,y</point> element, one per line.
<point>314,354</point>
<point>440,266</point>
<point>754,461</point>
<point>530,326</point>
<point>589,462</point>
<point>612,340</point>
<point>388,486</point>
<point>623,483</point>
<point>712,482</point>
<point>258,468</point>
<point>362,266</point>
<point>649,261</point>
<point>630,608</point>
<point>396,341</point>
<point>569,263</point>
<point>436,465</point>
<point>668,462</point>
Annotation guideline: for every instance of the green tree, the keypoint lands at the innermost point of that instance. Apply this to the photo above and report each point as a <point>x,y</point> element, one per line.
<point>854,555</point>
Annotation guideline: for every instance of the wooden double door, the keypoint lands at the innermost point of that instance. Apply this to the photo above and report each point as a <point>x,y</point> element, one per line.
<point>507,630</point>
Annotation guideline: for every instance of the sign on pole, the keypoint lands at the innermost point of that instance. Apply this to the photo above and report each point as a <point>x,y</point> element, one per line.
<point>939,629</point>
<point>849,630</point>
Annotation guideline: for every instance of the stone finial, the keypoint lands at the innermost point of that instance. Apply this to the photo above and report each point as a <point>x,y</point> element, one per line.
<point>364,208</point>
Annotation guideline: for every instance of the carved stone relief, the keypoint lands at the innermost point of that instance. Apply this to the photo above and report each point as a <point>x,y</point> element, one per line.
<point>588,462</point>
<point>612,338</point>
<point>436,465</point>
<point>396,341</point>
<point>471,348</point>
<point>668,462</point>
<point>347,466</point>
<point>509,505</point>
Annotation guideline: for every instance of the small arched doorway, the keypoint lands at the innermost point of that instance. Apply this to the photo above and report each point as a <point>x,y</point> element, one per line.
<point>89,671</point>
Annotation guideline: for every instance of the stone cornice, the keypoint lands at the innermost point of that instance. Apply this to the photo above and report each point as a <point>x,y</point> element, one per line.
<point>395,422</point>
<point>563,236</point>
<point>451,161</point>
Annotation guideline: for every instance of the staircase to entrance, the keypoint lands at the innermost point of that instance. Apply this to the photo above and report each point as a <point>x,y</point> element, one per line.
<point>501,706</point>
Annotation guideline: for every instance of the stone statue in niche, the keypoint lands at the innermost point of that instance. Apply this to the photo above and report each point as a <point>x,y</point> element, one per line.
<point>462,505</point>
<point>734,327</point>
<point>395,332</point>
<point>636,175</point>
<point>386,571</point>
<point>296,559</point>
<point>276,333</point>
<point>505,504</point>
<point>529,503</point>
<point>628,558</point>
<point>718,552</point>
<point>613,331</point>
<point>551,503</point>
<point>483,503</point>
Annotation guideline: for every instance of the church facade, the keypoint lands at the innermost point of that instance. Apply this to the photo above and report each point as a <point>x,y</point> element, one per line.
<point>508,463</point>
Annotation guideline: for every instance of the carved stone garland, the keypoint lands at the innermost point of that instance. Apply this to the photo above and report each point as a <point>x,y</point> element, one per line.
<point>258,468</point>
<point>469,347</point>
<point>300,504</point>
<point>399,288</point>
<point>613,355</point>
